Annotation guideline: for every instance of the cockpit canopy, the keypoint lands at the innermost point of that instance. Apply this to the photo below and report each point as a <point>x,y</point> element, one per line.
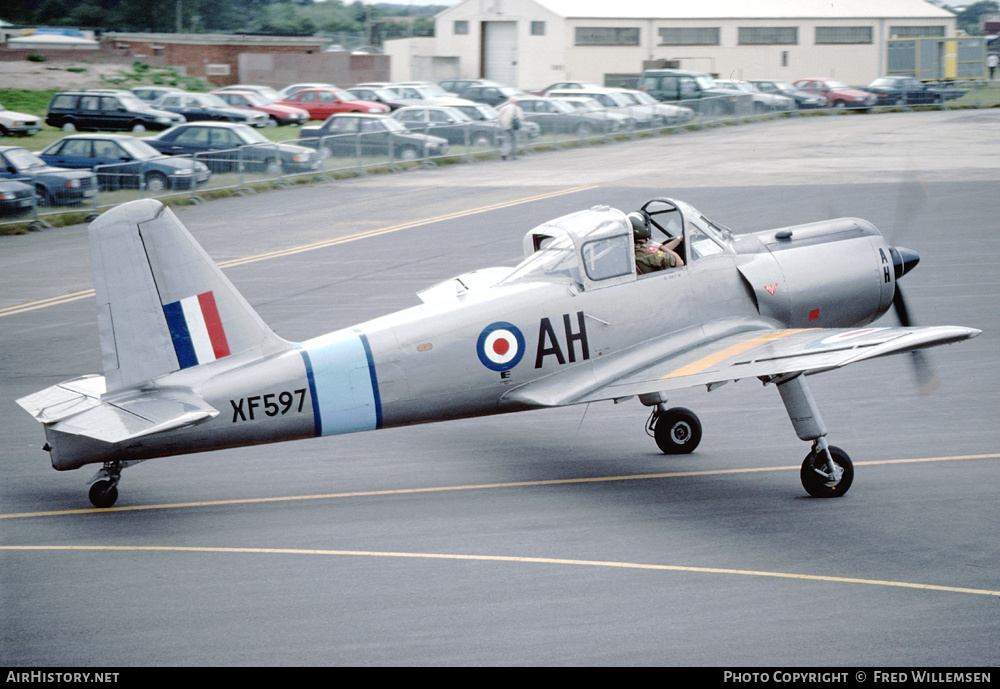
<point>594,249</point>
<point>590,248</point>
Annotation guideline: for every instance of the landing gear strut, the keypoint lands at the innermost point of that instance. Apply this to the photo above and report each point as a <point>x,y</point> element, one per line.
<point>104,491</point>
<point>827,471</point>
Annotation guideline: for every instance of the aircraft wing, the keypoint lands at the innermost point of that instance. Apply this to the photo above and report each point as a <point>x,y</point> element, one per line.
<point>658,366</point>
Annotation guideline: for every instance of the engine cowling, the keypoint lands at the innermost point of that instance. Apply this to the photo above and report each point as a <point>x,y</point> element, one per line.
<point>834,273</point>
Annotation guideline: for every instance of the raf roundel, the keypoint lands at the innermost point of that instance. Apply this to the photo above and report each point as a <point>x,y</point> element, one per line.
<point>500,346</point>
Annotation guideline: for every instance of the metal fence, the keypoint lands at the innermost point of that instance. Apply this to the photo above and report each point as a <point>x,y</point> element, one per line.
<point>240,170</point>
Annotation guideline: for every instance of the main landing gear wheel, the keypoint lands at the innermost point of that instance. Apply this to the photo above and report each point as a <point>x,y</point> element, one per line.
<point>677,430</point>
<point>103,494</point>
<point>820,479</point>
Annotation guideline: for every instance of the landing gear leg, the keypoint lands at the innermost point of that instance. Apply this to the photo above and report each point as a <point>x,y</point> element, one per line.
<point>104,491</point>
<point>827,471</point>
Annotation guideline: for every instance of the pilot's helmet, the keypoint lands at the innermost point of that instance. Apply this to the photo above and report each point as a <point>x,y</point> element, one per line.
<point>640,228</point>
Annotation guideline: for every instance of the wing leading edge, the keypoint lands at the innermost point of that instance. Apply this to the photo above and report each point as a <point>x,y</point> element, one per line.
<point>753,353</point>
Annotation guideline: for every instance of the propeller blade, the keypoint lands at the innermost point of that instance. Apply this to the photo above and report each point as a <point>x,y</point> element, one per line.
<point>927,380</point>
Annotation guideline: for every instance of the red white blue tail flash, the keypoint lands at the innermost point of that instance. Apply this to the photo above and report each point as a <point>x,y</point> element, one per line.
<point>196,329</point>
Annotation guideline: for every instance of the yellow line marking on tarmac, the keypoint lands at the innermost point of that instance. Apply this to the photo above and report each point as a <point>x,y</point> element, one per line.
<point>481,486</point>
<point>502,558</point>
<point>75,296</point>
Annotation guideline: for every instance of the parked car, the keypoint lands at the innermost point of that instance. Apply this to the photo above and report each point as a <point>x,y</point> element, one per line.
<point>276,113</point>
<point>378,94</point>
<point>204,107</point>
<point>672,113</point>
<point>803,99</point>
<point>55,186</point>
<point>450,124</point>
<point>125,162</point>
<point>418,90</point>
<point>295,88</point>
<point>585,104</point>
<point>16,198</point>
<point>566,86</point>
<point>230,147</point>
<point>456,86</point>
<point>265,91</point>
<point>153,93</point>
<point>762,102</point>
<point>106,110</point>
<point>695,90</point>
<point>351,134</point>
<point>556,117</point>
<point>321,103</point>
<point>903,91</point>
<point>839,94</point>
<point>481,112</point>
<point>18,123</point>
<point>639,115</point>
<point>491,95</point>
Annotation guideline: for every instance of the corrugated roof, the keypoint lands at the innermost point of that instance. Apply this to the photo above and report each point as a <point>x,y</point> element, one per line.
<point>745,9</point>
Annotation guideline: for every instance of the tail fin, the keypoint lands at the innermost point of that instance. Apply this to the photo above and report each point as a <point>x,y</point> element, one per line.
<point>162,303</point>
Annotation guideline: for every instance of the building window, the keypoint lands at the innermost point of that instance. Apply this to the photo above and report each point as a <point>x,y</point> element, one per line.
<point>769,35</point>
<point>843,34</point>
<point>916,32</point>
<point>606,36</point>
<point>689,36</point>
<point>461,28</point>
<point>537,28</point>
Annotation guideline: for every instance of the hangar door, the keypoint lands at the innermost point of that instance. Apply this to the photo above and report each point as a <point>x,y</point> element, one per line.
<point>500,52</point>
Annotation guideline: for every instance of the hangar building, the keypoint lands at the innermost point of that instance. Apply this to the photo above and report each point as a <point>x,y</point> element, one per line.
<point>532,43</point>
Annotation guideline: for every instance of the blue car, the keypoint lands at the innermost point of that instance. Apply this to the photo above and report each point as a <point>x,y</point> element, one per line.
<point>54,186</point>
<point>125,162</point>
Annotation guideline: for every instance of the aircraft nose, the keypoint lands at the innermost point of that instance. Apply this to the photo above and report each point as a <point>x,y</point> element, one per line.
<point>903,260</point>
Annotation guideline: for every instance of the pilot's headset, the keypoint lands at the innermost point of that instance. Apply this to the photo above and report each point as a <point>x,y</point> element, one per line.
<point>640,225</point>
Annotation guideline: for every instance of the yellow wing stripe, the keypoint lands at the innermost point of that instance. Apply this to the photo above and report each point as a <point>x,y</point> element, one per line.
<point>703,363</point>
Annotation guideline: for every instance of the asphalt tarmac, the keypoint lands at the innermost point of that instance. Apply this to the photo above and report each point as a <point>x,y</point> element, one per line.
<point>556,537</point>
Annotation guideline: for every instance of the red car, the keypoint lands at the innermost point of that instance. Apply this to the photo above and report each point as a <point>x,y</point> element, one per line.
<point>839,94</point>
<point>321,103</point>
<point>279,114</point>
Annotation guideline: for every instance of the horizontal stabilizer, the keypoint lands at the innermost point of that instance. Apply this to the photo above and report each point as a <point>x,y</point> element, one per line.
<point>136,415</point>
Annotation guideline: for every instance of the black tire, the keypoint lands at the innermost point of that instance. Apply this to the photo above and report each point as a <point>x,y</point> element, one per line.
<point>138,127</point>
<point>482,140</point>
<point>408,153</point>
<point>816,484</point>
<point>103,494</point>
<point>156,182</point>
<point>677,431</point>
<point>839,104</point>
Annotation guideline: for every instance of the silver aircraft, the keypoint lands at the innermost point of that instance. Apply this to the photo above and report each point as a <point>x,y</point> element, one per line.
<point>190,367</point>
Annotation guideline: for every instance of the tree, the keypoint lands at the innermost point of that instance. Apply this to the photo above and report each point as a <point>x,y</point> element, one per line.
<point>970,19</point>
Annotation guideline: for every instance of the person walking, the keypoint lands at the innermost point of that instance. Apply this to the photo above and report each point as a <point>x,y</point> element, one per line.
<point>511,116</point>
<point>993,61</point>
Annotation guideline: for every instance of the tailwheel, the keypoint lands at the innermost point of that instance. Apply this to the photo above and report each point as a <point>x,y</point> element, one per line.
<point>826,476</point>
<point>677,430</point>
<point>104,485</point>
<point>103,494</point>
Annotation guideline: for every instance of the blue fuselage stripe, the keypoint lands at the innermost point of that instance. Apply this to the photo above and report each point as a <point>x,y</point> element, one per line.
<point>374,379</point>
<point>317,419</point>
<point>342,382</point>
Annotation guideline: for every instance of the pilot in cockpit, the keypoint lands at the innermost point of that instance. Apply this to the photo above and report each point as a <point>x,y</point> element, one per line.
<point>650,256</point>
